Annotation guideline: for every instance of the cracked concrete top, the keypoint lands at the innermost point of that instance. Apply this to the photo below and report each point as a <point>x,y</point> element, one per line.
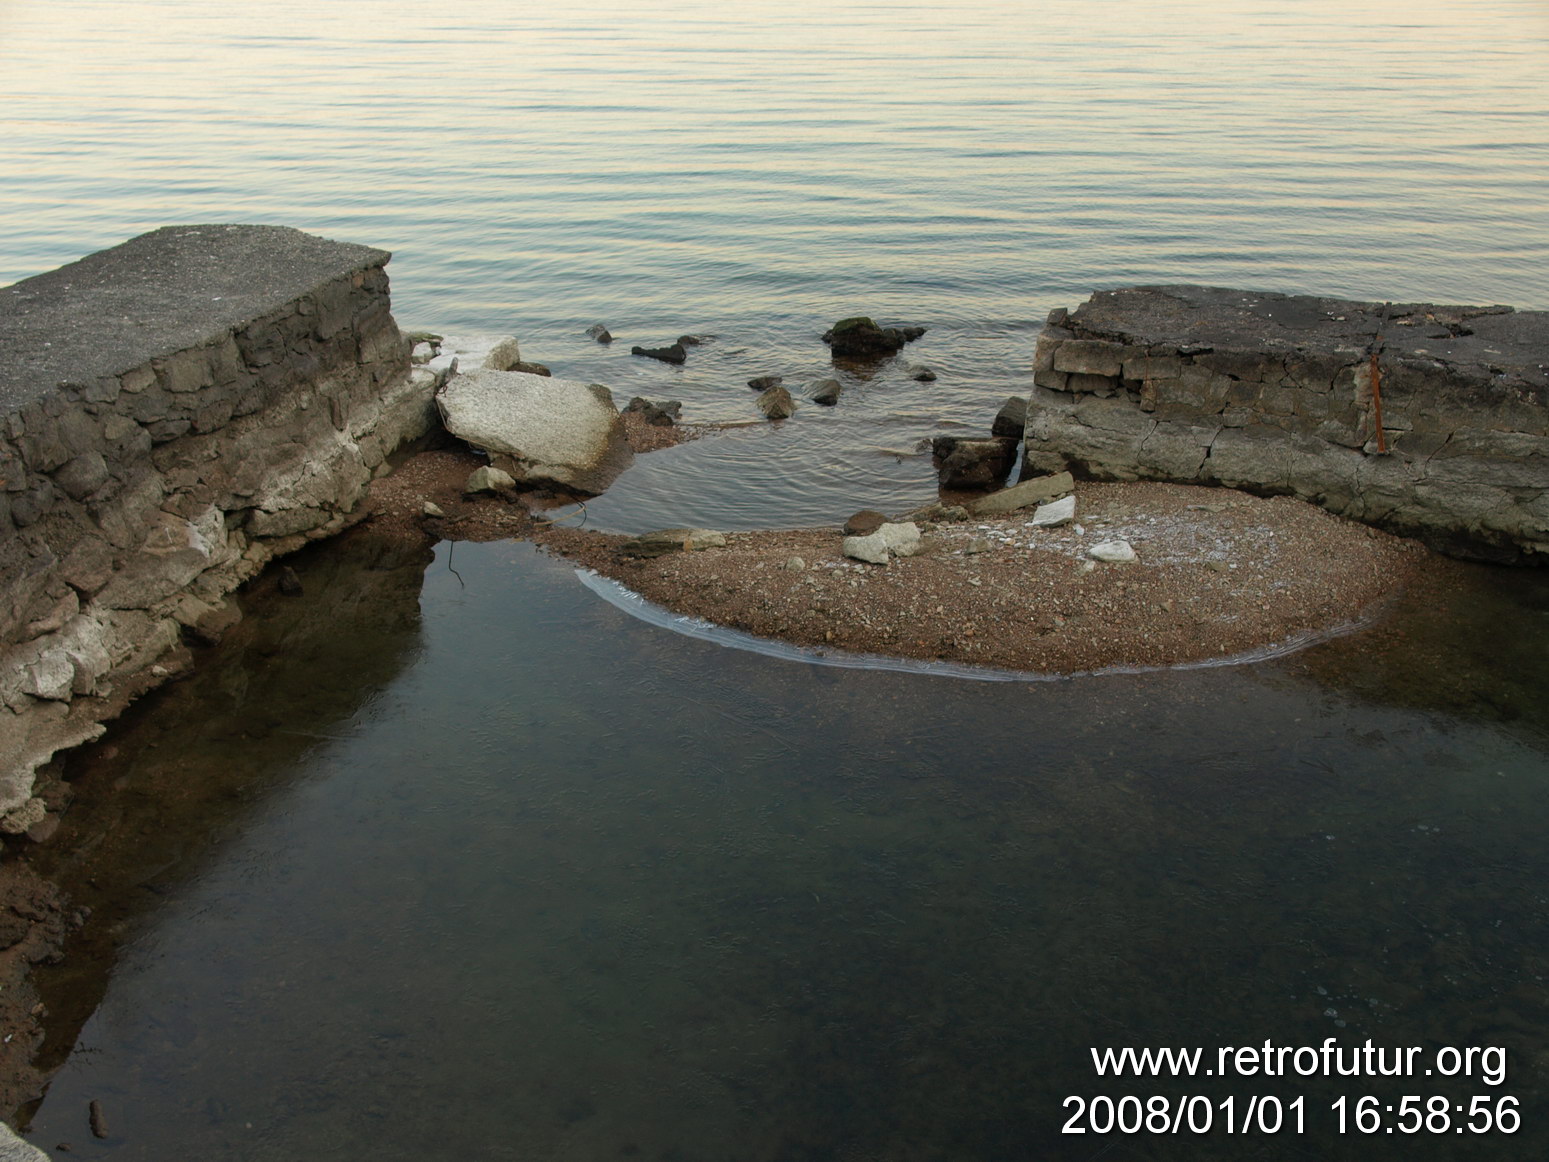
<point>171,289</point>
<point>1487,342</point>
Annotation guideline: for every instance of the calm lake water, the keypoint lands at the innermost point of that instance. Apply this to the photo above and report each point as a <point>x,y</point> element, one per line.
<point>449,858</point>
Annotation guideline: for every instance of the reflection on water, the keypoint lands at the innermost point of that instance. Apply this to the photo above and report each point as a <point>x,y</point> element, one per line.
<point>568,886</point>
<point>192,763</point>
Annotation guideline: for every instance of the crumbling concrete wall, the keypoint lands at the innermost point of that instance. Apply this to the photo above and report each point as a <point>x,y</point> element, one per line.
<point>1273,393</point>
<point>177,411</point>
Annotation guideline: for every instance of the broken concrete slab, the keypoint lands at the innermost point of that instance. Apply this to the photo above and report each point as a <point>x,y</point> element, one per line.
<point>1423,419</point>
<point>1022,495</point>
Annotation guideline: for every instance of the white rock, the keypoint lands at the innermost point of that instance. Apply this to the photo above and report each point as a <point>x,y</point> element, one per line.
<point>485,479</point>
<point>890,540</point>
<point>1055,513</point>
<point>872,548</point>
<point>431,508</point>
<point>1116,551</point>
<point>558,430</point>
<point>902,539</point>
<point>504,355</point>
<point>795,564</point>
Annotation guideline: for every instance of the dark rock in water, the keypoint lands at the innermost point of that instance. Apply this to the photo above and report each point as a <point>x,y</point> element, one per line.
<point>864,523</point>
<point>776,403</point>
<point>674,354</point>
<point>290,584</point>
<point>764,382</point>
<point>694,340</point>
<point>826,392</point>
<point>531,368</point>
<point>963,463</point>
<point>661,415</point>
<point>600,333</point>
<point>1011,419</point>
<point>860,338</point>
<point>923,375</point>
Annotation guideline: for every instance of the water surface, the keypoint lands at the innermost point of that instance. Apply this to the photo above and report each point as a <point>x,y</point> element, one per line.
<point>450,858</point>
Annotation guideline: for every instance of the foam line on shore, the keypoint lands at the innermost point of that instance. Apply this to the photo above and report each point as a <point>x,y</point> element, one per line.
<point>635,605</point>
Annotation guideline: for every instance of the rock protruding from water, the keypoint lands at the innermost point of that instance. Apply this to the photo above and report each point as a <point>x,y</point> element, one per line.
<point>1011,420</point>
<point>658,415</point>
<point>600,333</point>
<point>825,392</point>
<point>547,430</point>
<point>674,354</point>
<point>777,404</point>
<point>963,464</point>
<point>858,337</point>
<point>765,382</point>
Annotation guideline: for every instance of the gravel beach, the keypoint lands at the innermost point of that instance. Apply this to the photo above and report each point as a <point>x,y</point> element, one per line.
<point>1217,574</point>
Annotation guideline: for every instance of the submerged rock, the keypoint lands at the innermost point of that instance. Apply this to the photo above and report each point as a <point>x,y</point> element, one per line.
<point>674,354</point>
<point>858,337</point>
<point>777,404</point>
<point>558,431</point>
<point>764,382</point>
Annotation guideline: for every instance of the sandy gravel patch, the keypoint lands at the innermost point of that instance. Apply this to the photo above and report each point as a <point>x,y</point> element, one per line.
<point>1219,573</point>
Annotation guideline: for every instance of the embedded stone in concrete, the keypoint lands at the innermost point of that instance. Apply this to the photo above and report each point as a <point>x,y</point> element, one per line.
<point>559,431</point>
